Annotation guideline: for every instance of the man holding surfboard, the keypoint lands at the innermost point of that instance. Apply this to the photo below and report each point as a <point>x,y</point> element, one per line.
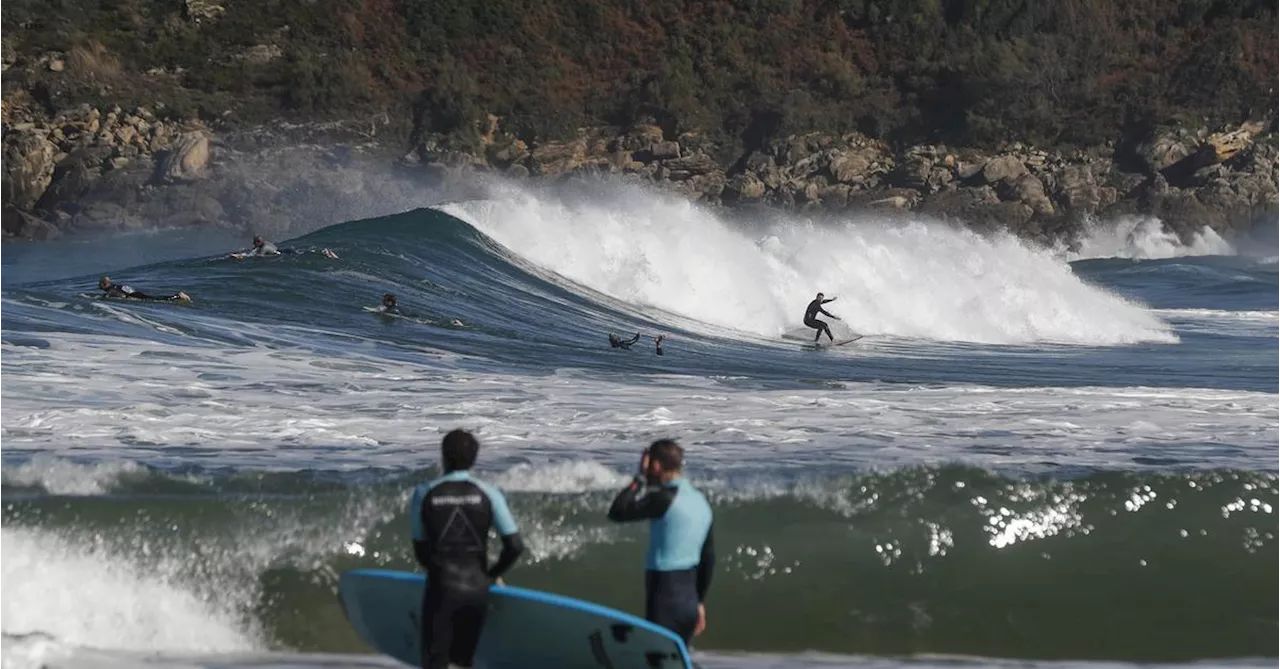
<point>681,556</point>
<point>451,518</point>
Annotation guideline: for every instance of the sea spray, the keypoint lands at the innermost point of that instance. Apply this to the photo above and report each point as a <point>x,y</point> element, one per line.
<point>914,279</point>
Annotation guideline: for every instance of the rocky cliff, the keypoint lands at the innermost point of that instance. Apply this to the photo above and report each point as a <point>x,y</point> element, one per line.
<point>93,169</point>
<point>281,116</point>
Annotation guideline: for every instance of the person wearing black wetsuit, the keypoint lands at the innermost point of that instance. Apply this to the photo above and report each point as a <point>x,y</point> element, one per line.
<point>263,248</point>
<point>389,305</point>
<point>116,290</point>
<point>811,318</point>
<point>681,556</point>
<point>657,343</point>
<point>451,518</point>
<point>618,342</point>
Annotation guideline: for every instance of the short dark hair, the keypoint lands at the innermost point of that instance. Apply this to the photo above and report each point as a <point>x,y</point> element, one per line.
<point>667,453</point>
<point>459,450</point>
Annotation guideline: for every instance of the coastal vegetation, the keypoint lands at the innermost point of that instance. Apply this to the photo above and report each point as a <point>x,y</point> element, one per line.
<point>965,72</point>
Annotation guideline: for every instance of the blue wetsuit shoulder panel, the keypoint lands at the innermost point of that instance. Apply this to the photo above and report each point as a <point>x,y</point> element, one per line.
<point>677,537</point>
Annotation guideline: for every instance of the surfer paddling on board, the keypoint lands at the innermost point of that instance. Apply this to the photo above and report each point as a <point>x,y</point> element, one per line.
<point>263,248</point>
<point>389,305</point>
<point>811,318</point>
<point>681,556</point>
<point>451,518</point>
<point>115,290</point>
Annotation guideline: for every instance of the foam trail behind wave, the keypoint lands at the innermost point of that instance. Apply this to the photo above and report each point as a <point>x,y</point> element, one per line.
<point>916,280</point>
<point>1145,238</point>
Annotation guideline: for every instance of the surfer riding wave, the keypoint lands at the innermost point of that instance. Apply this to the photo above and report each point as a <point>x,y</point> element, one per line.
<point>811,318</point>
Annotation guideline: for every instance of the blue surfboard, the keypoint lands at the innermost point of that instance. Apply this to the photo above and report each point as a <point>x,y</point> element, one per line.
<point>525,628</point>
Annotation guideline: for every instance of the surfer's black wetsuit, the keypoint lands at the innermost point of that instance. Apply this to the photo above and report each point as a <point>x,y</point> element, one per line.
<point>116,290</point>
<point>811,319</point>
<point>681,556</point>
<point>618,342</point>
<point>451,519</point>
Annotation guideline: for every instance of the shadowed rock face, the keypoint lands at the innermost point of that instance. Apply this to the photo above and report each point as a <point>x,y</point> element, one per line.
<point>28,168</point>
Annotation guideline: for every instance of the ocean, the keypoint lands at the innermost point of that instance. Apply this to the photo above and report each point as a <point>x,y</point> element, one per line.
<point>1033,457</point>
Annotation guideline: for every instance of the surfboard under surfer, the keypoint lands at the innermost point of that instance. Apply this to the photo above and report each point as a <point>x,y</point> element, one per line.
<point>811,318</point>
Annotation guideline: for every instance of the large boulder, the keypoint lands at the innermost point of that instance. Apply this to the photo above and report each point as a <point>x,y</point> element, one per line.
<point>1167,148</point>
<point>857,166</point>
<point>1006,168</point>
<point>1076,188</point>
<point>187,158</point>
<point>1030,191</point>
<point>28,168</point>
<point>1223,146</point>
<point>555,158</point>
<point>690,165</point>
<point>744,188</point>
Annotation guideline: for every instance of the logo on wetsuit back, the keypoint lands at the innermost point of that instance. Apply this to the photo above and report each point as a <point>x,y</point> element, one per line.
<point>456,500</point>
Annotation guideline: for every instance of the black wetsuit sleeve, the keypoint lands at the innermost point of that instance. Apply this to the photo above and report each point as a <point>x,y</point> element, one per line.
<point>421,550</point>
<point>824,311</point>
<point>512,548</point>
<point>634,339</point>
<point>634,504</point>
<point>707,564</point>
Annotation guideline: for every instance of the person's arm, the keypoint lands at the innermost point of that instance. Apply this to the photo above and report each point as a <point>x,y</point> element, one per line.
<point>512,549</point>
<point>421,547</point>
<point>829,300</point>
<point>634,339</point>
<point>505,524</point>
<point>706,564</point>
<point>634,504</point>
<point>828,313</point>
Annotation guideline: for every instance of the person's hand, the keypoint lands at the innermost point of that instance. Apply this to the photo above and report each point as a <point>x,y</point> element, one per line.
<point>702,620</point>
<point>644,463</point>
<point>498,581</point>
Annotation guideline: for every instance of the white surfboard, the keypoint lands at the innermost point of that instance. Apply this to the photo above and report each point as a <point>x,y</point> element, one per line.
<point>525,628</point>
<point>838,342</point>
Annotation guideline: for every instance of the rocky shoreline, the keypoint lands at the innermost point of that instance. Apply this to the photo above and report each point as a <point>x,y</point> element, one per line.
<point>90,169</point>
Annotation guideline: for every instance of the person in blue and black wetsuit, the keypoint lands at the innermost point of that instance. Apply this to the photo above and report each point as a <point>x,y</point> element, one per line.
<point>451,519</point>
<point>681,556</point>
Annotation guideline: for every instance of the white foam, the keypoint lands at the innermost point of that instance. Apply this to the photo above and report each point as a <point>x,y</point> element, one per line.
<point>917,279</point>
<point>1145,238</point>
<point>1223,314</point>
<point>281,410</point>
<point>84,595</point>
<point>560,477</point>
<point>59,476</point>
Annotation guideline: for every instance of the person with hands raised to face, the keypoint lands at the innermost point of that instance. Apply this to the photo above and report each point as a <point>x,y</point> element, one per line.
<point>681,556</point>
